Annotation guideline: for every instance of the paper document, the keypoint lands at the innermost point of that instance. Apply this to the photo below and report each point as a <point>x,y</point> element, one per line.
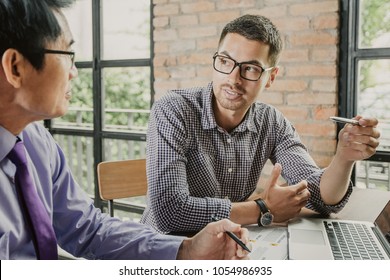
<point>268,243</point>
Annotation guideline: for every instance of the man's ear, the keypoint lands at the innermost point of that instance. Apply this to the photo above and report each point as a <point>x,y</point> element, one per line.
<point>272,76</point>
<point>13,63</point>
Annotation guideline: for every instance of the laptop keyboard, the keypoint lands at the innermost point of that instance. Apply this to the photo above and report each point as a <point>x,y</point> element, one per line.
<point>351,241</point>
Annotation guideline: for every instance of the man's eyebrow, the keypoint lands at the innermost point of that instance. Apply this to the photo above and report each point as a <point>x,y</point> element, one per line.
<point>254,61</point>
<point>72,41</point>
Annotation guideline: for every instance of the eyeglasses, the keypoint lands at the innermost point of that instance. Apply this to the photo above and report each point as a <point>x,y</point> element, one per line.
<point>68,53</point>
<point>248,71</point>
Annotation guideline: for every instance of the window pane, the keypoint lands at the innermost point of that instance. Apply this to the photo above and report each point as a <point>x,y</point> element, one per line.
<point>378,175</point>
<point>126,29</point>
<point>80,21</point>
<point>80,112</point>
<point>116,149</point>
<point>374,28</point>
<point>374,95</point>
<point>127,99</point>
<point>78,152</point>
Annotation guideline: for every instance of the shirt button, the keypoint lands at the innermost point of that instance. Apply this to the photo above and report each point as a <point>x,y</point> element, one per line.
<point>229,140</point>
<point>230,170</point>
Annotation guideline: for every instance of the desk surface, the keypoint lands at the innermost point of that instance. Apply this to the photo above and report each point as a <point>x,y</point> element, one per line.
<point>363,205</point>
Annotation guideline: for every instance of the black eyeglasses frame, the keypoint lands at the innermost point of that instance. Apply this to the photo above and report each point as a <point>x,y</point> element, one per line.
<point>239,65</point>
<point>70,53</point>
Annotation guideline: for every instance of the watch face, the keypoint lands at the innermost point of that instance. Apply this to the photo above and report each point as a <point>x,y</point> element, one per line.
<point>266,219</point>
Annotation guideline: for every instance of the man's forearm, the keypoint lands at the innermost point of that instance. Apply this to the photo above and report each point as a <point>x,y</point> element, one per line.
<point>335,181</point>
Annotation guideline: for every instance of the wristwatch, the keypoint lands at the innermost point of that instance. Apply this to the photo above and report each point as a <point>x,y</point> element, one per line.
<point>266,217</point>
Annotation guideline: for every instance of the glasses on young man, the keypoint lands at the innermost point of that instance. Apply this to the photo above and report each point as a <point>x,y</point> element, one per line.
<point>248,71</point>
<point>70,54</point>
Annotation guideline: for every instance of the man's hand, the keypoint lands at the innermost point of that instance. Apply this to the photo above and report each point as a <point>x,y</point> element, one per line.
<point>212,243</point>
<point>284,202</point>
<point>358,142</point>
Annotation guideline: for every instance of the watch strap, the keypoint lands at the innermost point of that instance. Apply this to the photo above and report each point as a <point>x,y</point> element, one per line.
<point>263,207</point>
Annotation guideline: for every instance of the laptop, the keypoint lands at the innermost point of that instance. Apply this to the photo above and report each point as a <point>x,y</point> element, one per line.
<point>327,239</point>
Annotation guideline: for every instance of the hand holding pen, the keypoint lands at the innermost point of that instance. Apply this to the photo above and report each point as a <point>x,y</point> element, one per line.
<point>233,236</point>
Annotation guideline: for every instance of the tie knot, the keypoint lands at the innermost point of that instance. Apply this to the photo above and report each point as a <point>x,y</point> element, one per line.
<point>18,154</point>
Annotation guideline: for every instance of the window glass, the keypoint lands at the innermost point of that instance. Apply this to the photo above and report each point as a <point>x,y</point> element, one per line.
<point>374,95</point>
<point>373,175</point>
<point>80,23</point>
<point>78,152</point>
<point>126,98</point>
<point>116,149</point>
<point>126,29</point>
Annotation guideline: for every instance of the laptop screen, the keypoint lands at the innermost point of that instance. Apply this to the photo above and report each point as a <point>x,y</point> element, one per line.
<point>383,221</point>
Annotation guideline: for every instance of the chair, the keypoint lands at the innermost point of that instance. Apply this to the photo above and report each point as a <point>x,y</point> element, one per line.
<point>121,179</point>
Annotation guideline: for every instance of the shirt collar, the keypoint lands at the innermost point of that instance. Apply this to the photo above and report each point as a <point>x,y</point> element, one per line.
<point>7,142</point>
<point>208,118</point>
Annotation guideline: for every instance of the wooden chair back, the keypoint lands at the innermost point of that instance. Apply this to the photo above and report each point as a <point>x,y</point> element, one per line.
<point>121,179</point>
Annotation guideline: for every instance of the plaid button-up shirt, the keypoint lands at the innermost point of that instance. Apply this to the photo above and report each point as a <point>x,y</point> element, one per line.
<point>196,169</point>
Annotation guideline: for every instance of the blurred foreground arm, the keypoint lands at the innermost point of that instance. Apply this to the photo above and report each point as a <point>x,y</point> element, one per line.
<point>214,244</point>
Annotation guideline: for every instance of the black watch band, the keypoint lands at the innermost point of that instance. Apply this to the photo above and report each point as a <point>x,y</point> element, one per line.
<point>265,218</point>
<point>262,205</point>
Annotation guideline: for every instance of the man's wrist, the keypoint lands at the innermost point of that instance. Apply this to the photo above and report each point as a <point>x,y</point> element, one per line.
<point>184,253</point>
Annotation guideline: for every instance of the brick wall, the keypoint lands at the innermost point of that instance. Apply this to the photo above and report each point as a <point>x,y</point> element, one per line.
<point>186,34</point>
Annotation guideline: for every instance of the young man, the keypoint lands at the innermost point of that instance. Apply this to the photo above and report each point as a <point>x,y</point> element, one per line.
<point>207,146</point>
<point>37,66</point>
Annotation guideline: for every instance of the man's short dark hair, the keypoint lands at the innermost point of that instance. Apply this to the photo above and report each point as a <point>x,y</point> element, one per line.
<point>258,28</point>
<point>28,25</point>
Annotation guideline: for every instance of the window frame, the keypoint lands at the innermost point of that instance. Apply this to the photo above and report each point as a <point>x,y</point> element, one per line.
<point>98,134</point>
<point>349,56</point>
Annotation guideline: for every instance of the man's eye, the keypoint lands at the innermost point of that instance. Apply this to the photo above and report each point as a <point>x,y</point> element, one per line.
<point>224,61</point>
<point>252,69</point>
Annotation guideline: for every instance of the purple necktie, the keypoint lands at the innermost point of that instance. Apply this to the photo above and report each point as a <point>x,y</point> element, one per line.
<point>38,220</point>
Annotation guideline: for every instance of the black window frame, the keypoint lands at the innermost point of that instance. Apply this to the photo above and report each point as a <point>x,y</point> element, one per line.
<point>97,65</point>
<point>349,56</point>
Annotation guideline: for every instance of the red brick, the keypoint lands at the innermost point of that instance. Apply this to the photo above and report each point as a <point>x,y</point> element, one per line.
<point>228,4</point>
<point>161,47</point>
<point>197,6</point>
<point>294,113</point>
<point>324,85</point>
<point>292,24</point>
<point>294,55</point>
<point>194,58</point>
<point>164,60</point>
<point>328,21</point>
<point>311,99</point>
<point>164,35</point>
<point>197,32</point>
<point>271,97</point>
<point>289,85</point>
<point>181,46</point>
<point>324,113</point>
<point>181,72</point>
<point>311,70</point>
<point>218,17</point>
<point>184,20</point>
<point>328,53</point>
<point>315,8</point>
<point>313,38</point>
<point>207,43</point>
<point>314,129</point>
<point>160,22</point>
<point>166,10</point>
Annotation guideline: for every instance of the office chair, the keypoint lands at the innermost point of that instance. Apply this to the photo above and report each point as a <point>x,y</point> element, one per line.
<point>121,179</point>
